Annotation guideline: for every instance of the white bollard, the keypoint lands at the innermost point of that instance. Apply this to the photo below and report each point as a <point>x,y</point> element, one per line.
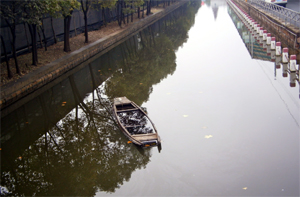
<point>293,78</point>
<point>273,43</point>
<point>257,28</point>
<point>284,70</point>
<point>273,57</point>
<point>264,44</point>
<point>277,61</point>
<point>261,32</point>
<point>278,48</point>
<point>268,50</point>
<point>265,35</point>
<point>249,20</point>
<point>268,38</point>
<point>285,55</point>
<point>293,63</point>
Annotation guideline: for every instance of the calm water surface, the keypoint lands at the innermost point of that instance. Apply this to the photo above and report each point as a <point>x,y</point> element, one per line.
<point>228,120</point>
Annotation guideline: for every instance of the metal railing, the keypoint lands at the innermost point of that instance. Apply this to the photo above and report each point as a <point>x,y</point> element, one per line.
<point>289,17</point>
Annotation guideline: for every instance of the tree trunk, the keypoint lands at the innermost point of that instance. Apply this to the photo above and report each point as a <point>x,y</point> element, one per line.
<point>40,38</point>
<point>67,23</point>
<point>15,52</point>
<point>123,15</point>
<point>119,10</point>
<point>75,29</point>
<point>9,73</point>
<point>104,17</point>
<point>28,45</point>
<point>43,31</point>
<point>32,29</point>
<point>139,10</point>
<point>127,15</point>
<point>53,31</point>
<point>12,28</point>
<point>149,7</point>
<point>85,10</point>
<point>86,28</point>
<point>131,13</point>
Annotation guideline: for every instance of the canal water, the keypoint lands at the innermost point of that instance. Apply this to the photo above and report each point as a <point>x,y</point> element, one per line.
<point>228,117</point>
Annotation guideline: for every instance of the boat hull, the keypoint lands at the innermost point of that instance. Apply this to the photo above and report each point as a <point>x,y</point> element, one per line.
<point>135,123</point>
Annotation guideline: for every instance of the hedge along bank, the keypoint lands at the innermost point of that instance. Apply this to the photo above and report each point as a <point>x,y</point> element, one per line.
<point>15,90</point>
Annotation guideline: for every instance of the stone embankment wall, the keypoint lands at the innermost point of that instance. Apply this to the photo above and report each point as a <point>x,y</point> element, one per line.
<point>14,91</point>
<point>288,35</point>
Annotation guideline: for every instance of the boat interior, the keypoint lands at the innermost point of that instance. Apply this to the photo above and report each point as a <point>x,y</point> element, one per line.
<point>124,107</point>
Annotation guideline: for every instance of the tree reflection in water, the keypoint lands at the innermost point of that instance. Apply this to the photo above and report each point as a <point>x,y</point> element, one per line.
<point>64,142</point>
<point>83,153</point>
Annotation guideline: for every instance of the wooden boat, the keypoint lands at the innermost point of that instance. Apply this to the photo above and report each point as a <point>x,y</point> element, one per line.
<point>135,123</point>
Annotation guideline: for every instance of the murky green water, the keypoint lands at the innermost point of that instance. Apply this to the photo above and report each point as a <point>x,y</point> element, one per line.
<point>227,117</point>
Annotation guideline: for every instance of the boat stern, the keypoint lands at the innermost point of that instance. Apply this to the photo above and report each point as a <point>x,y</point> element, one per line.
<point>150,143</point>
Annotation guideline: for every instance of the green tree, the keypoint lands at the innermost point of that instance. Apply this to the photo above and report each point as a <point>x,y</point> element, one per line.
<point>67,7</point>
<point>32,13</point>
<point>86,5</point>
<point>131,7</point>
<point>106,5</point>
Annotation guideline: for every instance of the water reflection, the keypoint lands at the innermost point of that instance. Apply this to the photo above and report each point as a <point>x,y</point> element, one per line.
<point>65,141</point>
<point>215,6</point>
<point>258,48</point>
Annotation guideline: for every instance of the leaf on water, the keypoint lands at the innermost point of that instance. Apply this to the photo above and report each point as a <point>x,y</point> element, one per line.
<point>109,69</point>
<point>129,142</point>
<point>26,122</point>
<point>64,102</point>
<point>141,83</point>
<point>208,136</point>
<point>245,188</point>
<point>99,70</point>
<point>20,158</point>
<point>0,148</point>
<point>185,116</point>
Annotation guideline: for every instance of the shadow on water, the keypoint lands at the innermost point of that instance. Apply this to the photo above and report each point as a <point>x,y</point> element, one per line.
<point>65,141</point>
